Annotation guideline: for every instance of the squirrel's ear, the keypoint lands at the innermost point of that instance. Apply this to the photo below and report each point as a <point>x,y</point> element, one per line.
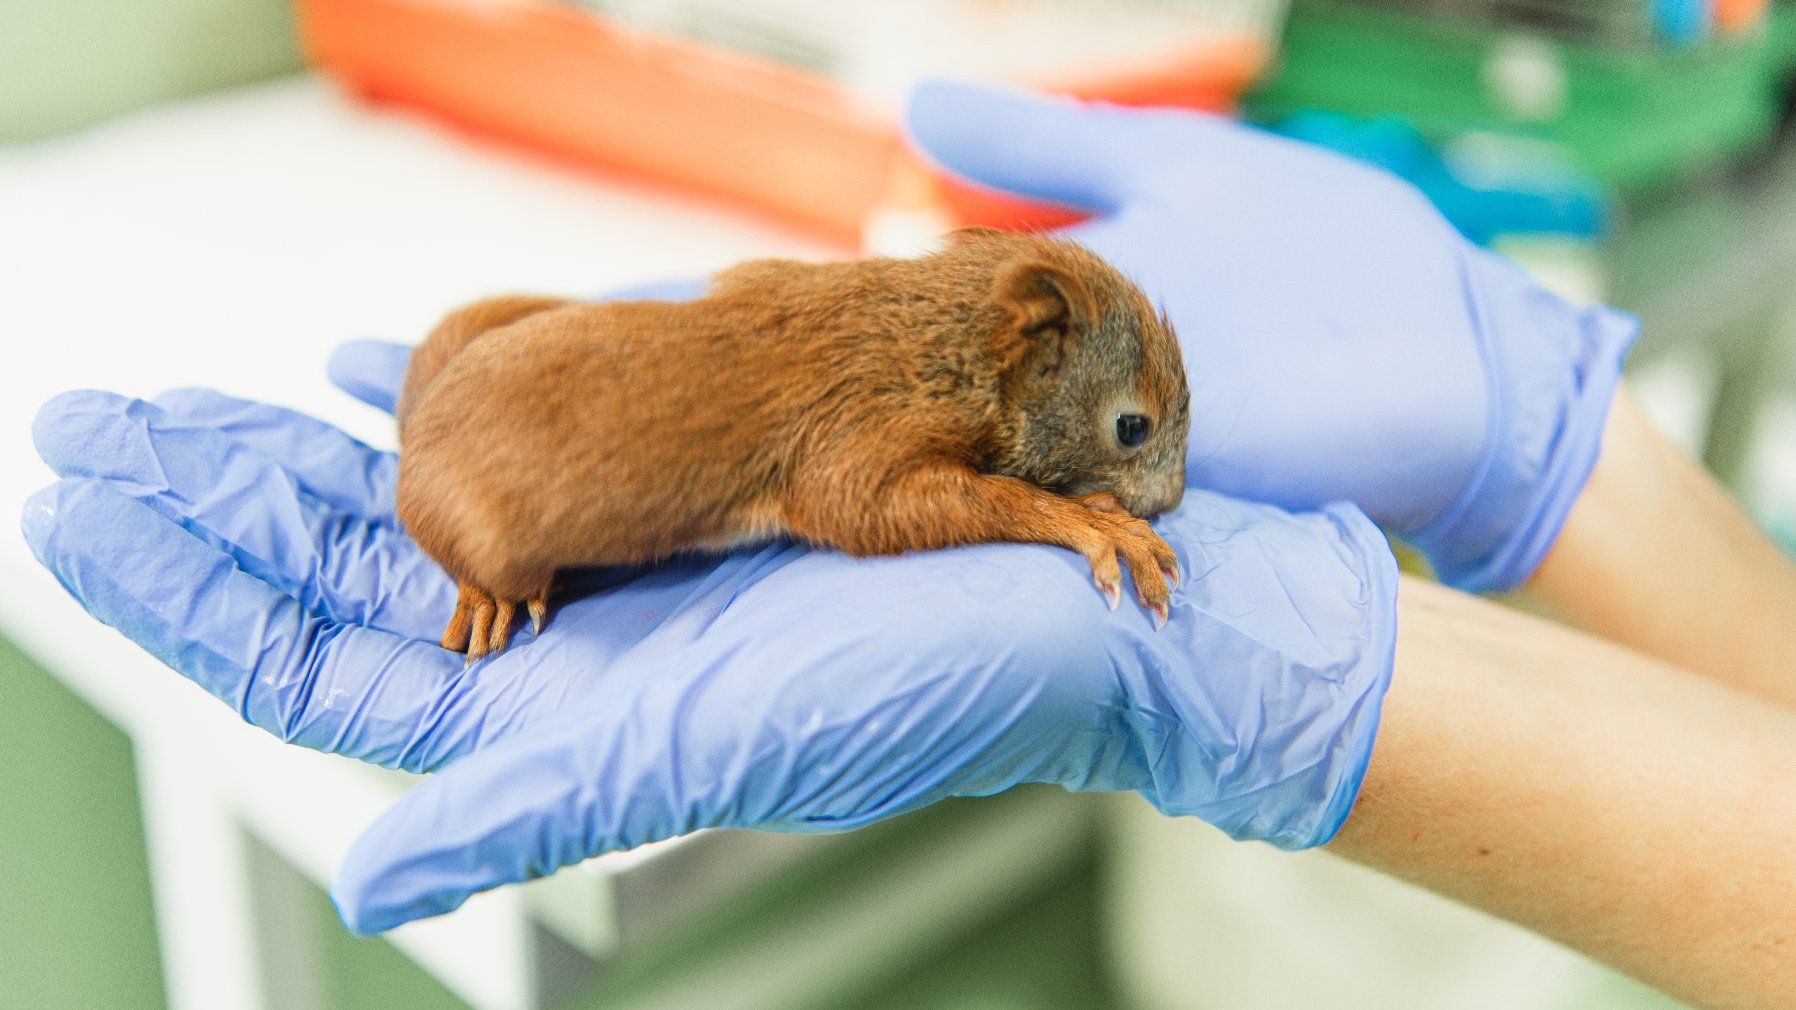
<point>961,236</point>
<point>1048,306</point>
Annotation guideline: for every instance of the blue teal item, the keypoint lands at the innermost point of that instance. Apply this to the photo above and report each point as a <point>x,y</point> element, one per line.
<point>1682,22</point>
<point>1498,200</point>
<point>256,551</point>
<point>1342,340</point>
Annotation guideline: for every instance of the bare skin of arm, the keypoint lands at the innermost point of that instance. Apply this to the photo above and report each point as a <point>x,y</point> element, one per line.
<point>1657,557</point>
<point>1625,791</point>
<point>1624,807</point>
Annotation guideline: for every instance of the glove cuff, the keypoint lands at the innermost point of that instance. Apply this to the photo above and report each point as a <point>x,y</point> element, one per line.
<point>1313,702</point>
<point>1362,704</point>
<point>1554,369</point>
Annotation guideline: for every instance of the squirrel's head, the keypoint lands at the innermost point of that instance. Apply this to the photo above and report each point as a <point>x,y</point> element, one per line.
<point>1092,376</point>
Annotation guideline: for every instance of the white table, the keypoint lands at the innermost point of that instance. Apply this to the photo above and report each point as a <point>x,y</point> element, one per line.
<point>231,242</point>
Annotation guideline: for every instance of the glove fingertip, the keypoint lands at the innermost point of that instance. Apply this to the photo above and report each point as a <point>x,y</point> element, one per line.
<point>38,518</point>
<point>929,103</point>
<point>73,521</point>
<point>367,912</point>
<point>941,116</point>
<point>945,100</point>
<point>1029,144</point>
<point>354,916</point>
<point>56,424</point>
<point>357,890</point>
<point>363,916</point>
<point>370,370</point>
<point>383,882</point>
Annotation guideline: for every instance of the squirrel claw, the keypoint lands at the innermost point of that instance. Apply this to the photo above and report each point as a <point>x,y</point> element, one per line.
<point>1150,562</point>
<point>1161,612</point>
<point>1112,592</point>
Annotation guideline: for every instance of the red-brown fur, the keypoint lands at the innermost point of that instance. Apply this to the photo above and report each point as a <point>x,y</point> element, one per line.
<point>876,406</point>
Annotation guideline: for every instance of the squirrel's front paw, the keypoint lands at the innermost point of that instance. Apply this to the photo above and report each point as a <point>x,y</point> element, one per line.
<point>1153,566</point>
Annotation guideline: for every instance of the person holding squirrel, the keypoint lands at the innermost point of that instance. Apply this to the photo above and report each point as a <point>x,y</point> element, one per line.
<point>1614,780</point>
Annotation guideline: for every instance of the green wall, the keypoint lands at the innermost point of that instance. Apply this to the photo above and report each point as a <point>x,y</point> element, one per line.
<point>68,63</point>
<point>77,931</point>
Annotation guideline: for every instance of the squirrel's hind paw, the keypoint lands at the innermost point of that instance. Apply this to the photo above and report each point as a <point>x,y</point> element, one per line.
<point>481,624</point>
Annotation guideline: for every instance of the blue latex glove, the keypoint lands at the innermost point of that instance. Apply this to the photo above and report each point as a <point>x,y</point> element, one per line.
<point>255,550</point>
<point>1343,341</point>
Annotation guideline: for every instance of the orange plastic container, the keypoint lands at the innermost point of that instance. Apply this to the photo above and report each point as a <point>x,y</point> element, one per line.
<point>778,140</point>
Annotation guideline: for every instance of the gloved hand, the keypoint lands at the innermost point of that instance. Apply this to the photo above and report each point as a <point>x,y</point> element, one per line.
<point>1343,341</point>
<point>255,550</point>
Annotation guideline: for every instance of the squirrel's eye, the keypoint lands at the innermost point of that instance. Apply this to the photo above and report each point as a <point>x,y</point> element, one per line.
<point>1131,429</point>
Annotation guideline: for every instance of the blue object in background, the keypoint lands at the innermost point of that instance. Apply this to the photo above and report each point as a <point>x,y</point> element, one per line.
<point>1508,198</point>
<point>1682,22</point>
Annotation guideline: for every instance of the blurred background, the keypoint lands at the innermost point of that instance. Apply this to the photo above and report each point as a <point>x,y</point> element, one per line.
<point>216,192</point>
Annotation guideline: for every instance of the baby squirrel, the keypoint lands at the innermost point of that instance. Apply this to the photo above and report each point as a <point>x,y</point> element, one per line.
<point>1006,388</point>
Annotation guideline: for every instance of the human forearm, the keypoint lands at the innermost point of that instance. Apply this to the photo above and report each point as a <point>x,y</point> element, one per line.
<point>1655,556</point>
<point>1597,796</point>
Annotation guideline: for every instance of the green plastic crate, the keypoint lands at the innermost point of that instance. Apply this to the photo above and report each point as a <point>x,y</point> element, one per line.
<point>1636,119</point>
